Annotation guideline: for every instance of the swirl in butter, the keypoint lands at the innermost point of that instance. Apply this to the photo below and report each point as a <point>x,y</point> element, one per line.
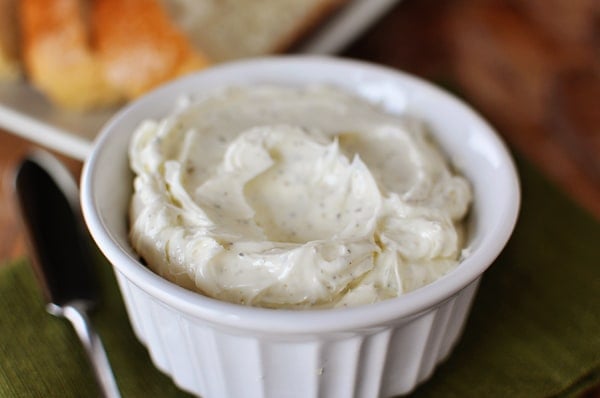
<point>294,198</point>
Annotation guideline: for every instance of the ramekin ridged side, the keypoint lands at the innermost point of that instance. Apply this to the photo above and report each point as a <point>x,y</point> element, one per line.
<point>217,349</point>
<point>384,360</point>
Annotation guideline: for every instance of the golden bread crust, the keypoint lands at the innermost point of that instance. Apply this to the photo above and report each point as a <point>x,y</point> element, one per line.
<point>9,43</point>
<point>58,56</point>
<point>87,54</point>
<point>139,46</point>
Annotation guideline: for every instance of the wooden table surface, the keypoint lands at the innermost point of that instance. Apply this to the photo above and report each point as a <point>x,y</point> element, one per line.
<point>532,67</point>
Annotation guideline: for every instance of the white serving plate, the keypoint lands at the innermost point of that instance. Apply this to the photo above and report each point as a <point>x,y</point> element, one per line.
<point>25,112</point>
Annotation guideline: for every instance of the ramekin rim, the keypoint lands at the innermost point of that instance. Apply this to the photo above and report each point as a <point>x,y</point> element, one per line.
<point>306,320</point>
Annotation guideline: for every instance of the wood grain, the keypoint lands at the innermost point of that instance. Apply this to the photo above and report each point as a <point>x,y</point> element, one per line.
<point>537,87</point>
<point>12,150</point>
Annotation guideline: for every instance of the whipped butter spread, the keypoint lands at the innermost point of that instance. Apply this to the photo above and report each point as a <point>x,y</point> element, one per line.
<point>294,198</point>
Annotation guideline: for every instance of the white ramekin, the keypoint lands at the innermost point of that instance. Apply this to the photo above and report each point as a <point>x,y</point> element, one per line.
<point>217,349</point>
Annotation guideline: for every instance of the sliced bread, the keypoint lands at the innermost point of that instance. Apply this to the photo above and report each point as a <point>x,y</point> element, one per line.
<point>58,57</point>
<point>9,44</point>
<point>139,46</point>
<point>230,29</point>
<point>86,54</point>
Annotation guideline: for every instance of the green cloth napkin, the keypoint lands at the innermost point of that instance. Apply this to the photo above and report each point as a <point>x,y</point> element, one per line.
<point>534,330</point>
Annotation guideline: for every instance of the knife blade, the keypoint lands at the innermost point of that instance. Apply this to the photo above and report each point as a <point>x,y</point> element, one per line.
<point>60,252</point>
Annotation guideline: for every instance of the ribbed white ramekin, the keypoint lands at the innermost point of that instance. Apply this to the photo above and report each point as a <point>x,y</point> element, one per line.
<point>218,349</point>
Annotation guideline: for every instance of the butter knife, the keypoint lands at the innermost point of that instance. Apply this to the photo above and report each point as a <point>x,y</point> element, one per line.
<point>60,251</point>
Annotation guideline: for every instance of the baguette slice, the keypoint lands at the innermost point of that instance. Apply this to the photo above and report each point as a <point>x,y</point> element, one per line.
<point>10,67</point>
<point>230,29</point>
<point>139,46</point>
<point>118,49</point>
<point>58,56</point>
